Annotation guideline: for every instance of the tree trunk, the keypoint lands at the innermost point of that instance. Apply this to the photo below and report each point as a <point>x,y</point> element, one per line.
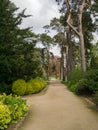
<point>80,31</point>
<point>70,52</point>
<point>81,37</point>
<point>82,53</point>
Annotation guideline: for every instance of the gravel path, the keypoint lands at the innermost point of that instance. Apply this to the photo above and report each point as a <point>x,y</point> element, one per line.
<point>59,109</point>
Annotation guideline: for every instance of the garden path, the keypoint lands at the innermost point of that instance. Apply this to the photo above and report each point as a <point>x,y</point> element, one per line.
<point>59,109</point>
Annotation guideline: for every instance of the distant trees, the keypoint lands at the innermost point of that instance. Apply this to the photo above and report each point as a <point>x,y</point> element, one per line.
<point>78,20</point>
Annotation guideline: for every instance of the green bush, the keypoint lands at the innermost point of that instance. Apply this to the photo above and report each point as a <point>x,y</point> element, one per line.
<point>29,89</point>
<point>17,107</point>
<point>83,83</point>
<point>83,88</point>
<point>89,85</point>
<point>19,87</point>
<point>73,87</point>
<point>5,116</point>
<point>75,76</point>
<point>92,80</point>
<point>35,85</point>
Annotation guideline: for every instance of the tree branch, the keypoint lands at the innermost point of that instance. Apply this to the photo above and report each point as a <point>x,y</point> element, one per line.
<point>70,25</point>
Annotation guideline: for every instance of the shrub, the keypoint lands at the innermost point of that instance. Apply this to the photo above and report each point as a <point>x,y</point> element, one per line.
<point>75,76</point>
<point>19,87</point>
<point>73,87</point>
<point>83,84</point>
<point>16,105</point>
<point>29,89</point>
<point>5,117</point>
<point>82,87</point>
<point>92,80</point>
<point>35,85</point>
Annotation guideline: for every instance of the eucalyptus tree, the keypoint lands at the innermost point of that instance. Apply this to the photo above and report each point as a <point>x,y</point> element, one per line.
<point>46,40</point>
<point>60,38</point>
<point>77,6</point>
<point>66,46</point>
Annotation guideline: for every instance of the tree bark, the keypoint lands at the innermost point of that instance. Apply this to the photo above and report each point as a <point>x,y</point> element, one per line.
<point>79,32</point>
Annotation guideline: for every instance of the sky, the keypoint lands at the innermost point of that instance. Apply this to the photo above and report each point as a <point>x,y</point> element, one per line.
<point>41,11</point>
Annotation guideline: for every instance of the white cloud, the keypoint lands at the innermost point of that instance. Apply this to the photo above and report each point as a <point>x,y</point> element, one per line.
<point>42,12</point>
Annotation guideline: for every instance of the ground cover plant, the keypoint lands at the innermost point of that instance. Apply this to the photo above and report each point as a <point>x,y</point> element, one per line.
<point>12,109</point>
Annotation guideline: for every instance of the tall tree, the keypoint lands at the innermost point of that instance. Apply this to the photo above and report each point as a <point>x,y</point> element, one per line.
<point>17,46</point>
<point>46,40</point>
<point>77,6</point>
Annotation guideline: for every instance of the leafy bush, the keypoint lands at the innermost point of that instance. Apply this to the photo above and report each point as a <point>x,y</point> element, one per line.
<point>5,117</point>
<point>19,87</point>
<point>73,87</point>
<point>15,107</point>
<point>35,85</point>
<point>75,76</point>
<point>29,89</point>
<point>92,80</point>
<point>83,88</point>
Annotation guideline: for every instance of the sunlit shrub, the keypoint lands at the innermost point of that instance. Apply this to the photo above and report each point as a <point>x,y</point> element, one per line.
<point>35,85</point>
<point>29,89</point>
<point>19,87</point>
<point>16,105</point>
<point>5,116</point>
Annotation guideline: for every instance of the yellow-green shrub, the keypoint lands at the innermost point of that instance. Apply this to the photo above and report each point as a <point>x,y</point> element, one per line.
<point>35,85</point>
<point>5,116</point>
<point>16,106</point>
<point>19,87</point>
<point>29,89</point>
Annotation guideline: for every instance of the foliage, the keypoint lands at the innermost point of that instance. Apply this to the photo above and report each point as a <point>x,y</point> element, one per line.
<point>4,88</point>
<point>75,76</point>
<point>86,84</point>
<point>5,117</point>
<point>12,109</point>
<point>29,89</point>
<point>19,87</point>
<point>83,87</point>
<point>35,85</point>
<point>19,58</point>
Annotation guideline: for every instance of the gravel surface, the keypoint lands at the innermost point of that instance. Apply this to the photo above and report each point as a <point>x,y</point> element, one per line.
<point>59,109</point>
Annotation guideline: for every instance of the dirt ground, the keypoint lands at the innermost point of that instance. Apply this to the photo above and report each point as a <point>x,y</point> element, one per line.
<point>59,109</point>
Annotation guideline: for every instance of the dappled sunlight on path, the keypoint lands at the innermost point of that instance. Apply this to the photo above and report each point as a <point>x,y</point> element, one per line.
<point>59,109</point>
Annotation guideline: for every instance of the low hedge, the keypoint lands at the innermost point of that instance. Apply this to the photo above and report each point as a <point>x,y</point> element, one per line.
<point>19,87</point>
<point>35,85</point>
<point>85,84</point>
<point>12,109</point>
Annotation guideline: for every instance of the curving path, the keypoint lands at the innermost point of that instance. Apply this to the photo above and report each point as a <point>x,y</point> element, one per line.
<point>59,109</point>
